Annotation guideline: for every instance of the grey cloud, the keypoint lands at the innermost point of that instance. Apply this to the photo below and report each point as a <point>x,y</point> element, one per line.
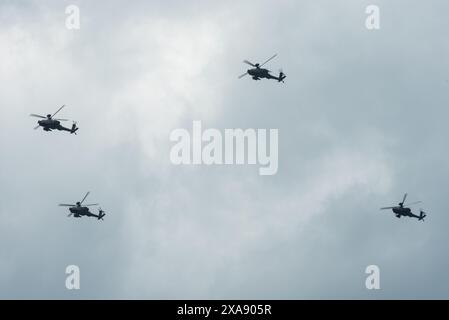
<point>361,120</point>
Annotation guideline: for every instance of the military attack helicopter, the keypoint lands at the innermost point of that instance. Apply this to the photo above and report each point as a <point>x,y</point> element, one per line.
<point>50,123</point>
<point>78,209</point>
<point>400,210</point>
<point>257,73</point>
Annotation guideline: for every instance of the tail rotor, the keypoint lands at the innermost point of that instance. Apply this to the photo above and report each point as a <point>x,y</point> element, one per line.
<point>74,128</point>
<point>422,215</point>
<point>282,76</point>
<point>101,214</point>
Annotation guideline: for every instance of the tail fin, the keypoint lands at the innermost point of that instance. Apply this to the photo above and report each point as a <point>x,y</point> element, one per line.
<point>422,215</point>
<point>282,76</point>
<point>74,128</point>
<point>101,214</point>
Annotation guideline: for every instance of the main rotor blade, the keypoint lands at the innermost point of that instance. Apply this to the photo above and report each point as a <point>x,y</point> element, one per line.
<point>413,203</point>
<point>37,127</point>
<point>241,76</point>
<point>251,64</point>
<point>70,214</point>
<point>384,208</point>
<point>268,60</point>
<point>38,116</point>
<point>405,196</point>
<point>57,111</point>
<point>85,197</point>
<point>90,205</point>
<point>66,205</point>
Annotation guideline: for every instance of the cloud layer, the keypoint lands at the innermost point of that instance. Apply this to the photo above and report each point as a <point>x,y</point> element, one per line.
<point>361,120</point>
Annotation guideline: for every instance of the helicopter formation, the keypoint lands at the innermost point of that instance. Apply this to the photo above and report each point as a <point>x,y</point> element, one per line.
<point>51,123</point>
<point>257,73</point>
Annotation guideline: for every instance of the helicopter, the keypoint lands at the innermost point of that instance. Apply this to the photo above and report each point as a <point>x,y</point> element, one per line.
<point>50,123</point>
<point>401,210</point>
<point>78,210</point>
<point>257,72</point>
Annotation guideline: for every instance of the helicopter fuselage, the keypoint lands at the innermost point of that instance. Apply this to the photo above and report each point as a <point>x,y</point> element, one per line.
<point>258,73</point>
<point>406,212</point>
<point>402,211</point>
<point>79,211</point>
<point>50,124</point>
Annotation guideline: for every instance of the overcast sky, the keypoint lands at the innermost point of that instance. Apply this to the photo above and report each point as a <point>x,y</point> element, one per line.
<point>362,119</point>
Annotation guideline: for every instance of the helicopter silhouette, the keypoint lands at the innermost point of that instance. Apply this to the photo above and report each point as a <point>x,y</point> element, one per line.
<point>50,123</point>
<point>401,210</point>
<point>258,73</point>
<point>78,210</point>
